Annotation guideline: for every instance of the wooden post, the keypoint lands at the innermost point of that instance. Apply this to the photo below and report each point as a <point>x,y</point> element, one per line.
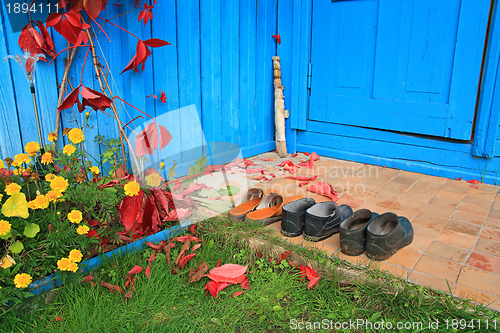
<point>279,109</point>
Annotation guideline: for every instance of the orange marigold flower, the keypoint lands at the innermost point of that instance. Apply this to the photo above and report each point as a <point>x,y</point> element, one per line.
<point>52,137</point>
<point>75,216</point>
<point>72,267</point>
<point>69,150</point>
<point>12,188</point>
<point>153,179</point>
<point>19,159</point>
<point>75,255</point>
<point>131,188</point>
<point>22,280</point>
<point>80,178</point>
<point>49,177</point>
<point>63,264</point>
<point>53,195</point>
<point>2,165</point>
<point>4,228</point>
<point>32,148</point>
<point>76,136</point>
<point>82,230</point>
<point>47,158</point>
<point>58,184</point>
<point>41,202</point>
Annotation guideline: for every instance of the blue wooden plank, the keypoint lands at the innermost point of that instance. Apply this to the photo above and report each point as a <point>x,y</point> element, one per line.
<point>188,41</point>
<point>230,105</point>
<point>285,28</point>
<point>248,26</point>
<point>211,67</point>
<point>10,137</point>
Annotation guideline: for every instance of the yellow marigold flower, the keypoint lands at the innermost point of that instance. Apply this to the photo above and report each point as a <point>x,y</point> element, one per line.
<point>32,148</point>
<point>49,177</point>
<point>53,195</point>
<point>52,137</point>
<point>72,267</point>
<point>12,188</point>
<point>41,202</point>
<point>80,178</point>
<point>47,158</point>
<point>153,179</point>
<point>82,230</point>
<point>2,165</point>
<point>75,255</point>
<point>1,196</point>
<point>94,170</point>
<point>7,262</point>
<point>76,136</point>
<point>31,205</point>
<point>131,188</point>
<point>22,280</point>
<point>69,150</point>
<point>75,216</point>
<point>4,228</point>
<point>59,184</point>
<point>63,264</point>
<point>19,159</point>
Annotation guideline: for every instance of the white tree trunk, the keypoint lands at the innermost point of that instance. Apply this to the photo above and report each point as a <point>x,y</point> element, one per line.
<point>279,109</point>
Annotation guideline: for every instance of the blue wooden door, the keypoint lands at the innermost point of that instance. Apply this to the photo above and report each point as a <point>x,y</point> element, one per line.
<point>404,65</point>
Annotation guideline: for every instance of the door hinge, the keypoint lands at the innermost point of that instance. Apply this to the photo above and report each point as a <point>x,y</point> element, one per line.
<point>309,76</point>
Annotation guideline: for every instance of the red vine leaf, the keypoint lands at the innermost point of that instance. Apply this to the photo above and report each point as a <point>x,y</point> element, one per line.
<point>155,42</point>
<point>68,25</point>
<point>70,100</point>
<point>94,7</point>
<point>30,40</point>
<point>185,260</point>
<point>236,294</point>
<point>163,97</point>
<point>278,38</point>
<point>146,14</point>
<point>149,139</point>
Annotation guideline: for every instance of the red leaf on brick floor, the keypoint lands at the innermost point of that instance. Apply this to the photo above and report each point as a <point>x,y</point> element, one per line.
<point>310,163</point>
<point>302,177</point>
<point>184,260</point>
<point>459,178</point>
<point>473,181</point>
<point>312,276</point>
<point>324,189</point>
<point>266,159</point>
<point>136,270</point>
<point>278,38</point>
<point>303,184</point>
<point>236,294</point>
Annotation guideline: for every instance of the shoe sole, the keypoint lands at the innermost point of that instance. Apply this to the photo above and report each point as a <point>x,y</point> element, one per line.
<point>265,221</point>
<point>291,234</point>
<point>317,239</point>
<point>375,257</point>
<point>236,218</point>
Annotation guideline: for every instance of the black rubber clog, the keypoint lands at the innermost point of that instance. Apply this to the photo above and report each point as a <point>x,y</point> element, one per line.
<point>293,217</point>
<point>353,232</point>
<point>323,220</point>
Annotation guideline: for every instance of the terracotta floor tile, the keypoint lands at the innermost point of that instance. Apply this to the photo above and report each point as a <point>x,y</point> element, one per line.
<point>475,295</point>
<point>387,192</point>
<point>455,186</point>
<point>453,198</point>
<point>438,267</point>
<point>478,201</point>
<point>463,227</point>
<point>409,213</point>
<point>479,279</point>
<point>381,182</point>
<point>468,217</point>
<point>427,217</point>
<point>411,203</point>
<point>484,262</point>
<point>362,191</point>
<point>420,243</point>
<point>394,270</point>
<point>275,225</point>
<point>382,202</point>
<point>448,251</point>
<point>495,213</point>
<point>353,203</point>
<point>473,209</point>
<point>427,187</point>
<point>484,188</point>
<point>488,246</point>
<point>417,195</point>
<point>406,179</point>
<point>492,223</point>
<point>441,206</point>
<point>430,281</point>
<point>490,233</point>
<point>405,258</point>
<point>333,241</point>
<point>458,239</point>
<point>425,231</point>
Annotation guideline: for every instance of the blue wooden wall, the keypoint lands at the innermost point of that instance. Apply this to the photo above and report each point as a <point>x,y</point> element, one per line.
<point>219,60</point>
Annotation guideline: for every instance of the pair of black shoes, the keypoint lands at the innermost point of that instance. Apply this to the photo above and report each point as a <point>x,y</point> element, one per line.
<point>381,235</point>
<point>316,221</point>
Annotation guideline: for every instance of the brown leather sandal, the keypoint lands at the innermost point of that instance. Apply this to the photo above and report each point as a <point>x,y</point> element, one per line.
<point>269,209</point>
<point>247,203</point>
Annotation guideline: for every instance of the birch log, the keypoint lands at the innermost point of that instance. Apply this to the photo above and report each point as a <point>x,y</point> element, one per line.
<point>279,109</point>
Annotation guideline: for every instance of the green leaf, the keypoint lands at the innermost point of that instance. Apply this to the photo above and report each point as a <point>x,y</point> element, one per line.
<point>9,235</point>
<point>31,229</point>
<point>16,247</point>
<point>171,172</point>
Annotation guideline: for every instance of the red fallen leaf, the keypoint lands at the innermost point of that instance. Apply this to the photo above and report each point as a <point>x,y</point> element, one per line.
<point>219,278</point>
<point>236,294</point>
<point>148,271</point>
<point>199,273</point>
<point>312,276</point>
<point>128,295</point>
<point>474,186</point>
<point>258,177</point>
<point>310,163</point>
<point>303,184</point>
<point>136,270</point>
<point>293,155</point>
<point>266,159</point>
<point>302,272</point>
<point>229,270</point>
<point>259,254</point>
<point>245,284</point>
<point>215,287</point>
<point>58,318</point>
<point>284,256</point>
<point>155,42</point>
<point>184,260</point>
<point>150,139</point>
<point>324,189</point>
<point>473,181</point>
<point>166,249</point>
<point>278,38</point>
<point>218,262</point>
<point>254,170</point>
<point>192,228</point>
<point>291,263</point>
<point>110,286</point>
<point>163,97</point>
<point>182,251</point>
<point>132,284</point>
<point>88,278</point>
<point>30,40</point>
<point>196,247</point>
<point>92,283</point>
<point>152,257</point>
<point>307,154</point>
<point>114,265</point>
<point>183,239</point>
<point>156,247</point>
<point>129,278</point>
<point>459,178</point>
<point>302,177</point>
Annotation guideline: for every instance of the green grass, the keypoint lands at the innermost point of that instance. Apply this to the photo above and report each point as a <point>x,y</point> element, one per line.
<point>277,297</point>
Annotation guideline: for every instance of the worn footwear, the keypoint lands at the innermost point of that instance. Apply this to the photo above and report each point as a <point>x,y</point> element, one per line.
<point>269,209</point>
<point>248,201</point>
<point>293,217</point>
<point>386,234</point>
<point>323,220</point>
<point>353,232</point>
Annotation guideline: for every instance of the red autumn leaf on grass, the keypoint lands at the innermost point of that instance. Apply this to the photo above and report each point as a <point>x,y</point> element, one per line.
<point>284,256</point>
<point>291,263</point>
<point>302,272</point>
<point>198,273</point>
<point>185,260</point>
<point>278,38</point>
<point>148,271</point>
<point>302,177</point>
<point>152,257</point>
<point>196,247</point>
<point>245,284</point>
<point>236,294</point>
<point>30,40</point>
<point>146,14</point>
<point>69,26</point>
<point>312,276</point>
<point>88,278</point>
<point>229,270</point>
<point>192,228</point>
<point>183,239</point>
<point>215,287</point>
<point>58,318</point>
<point>324,189</point>
<point>218,262</point>
<point>219,278</point>
<point>156,247</point>
<point>136,270</point>
<point>150,139</point>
